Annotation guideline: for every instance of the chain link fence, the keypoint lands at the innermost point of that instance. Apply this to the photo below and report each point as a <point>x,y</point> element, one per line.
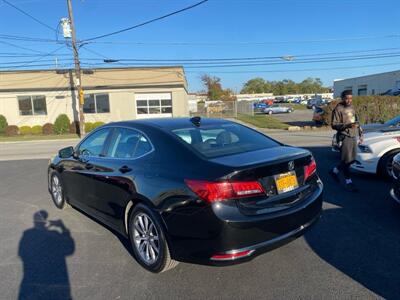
<point>216,109</point>
<point>245,107</point>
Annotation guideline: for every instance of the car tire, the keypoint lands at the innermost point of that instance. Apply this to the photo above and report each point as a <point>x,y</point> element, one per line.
<point>148,240</point>
<point>56,189</point>
<point>384,166</point>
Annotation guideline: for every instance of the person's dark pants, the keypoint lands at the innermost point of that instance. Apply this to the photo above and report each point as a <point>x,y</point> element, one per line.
<point>348,153</point>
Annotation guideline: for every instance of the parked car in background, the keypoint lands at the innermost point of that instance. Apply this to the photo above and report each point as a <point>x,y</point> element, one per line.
<point>395,191</point>
<point>208,191</point>
<point>260,106</point>
<point>313,103</point>
<point>391,92</point>
<point>279,99</point>
<point>318,115</point>
<point>277,109</point>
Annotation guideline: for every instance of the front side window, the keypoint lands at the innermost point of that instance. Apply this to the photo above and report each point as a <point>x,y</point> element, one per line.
<point>96,104</point>
<point>94,144</point>
<point>32,105</point>
<point>128,143</point>
<point>225,139</point>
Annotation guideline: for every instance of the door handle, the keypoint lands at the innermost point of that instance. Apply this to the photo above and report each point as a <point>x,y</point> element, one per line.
<point>88,166</point>
<point>125,169</point>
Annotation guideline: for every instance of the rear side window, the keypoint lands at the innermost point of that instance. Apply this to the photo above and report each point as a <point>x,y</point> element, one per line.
<point>225,139</point>
<point>128,143</point>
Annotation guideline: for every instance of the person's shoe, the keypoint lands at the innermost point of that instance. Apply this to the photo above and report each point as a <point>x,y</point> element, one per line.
<point>351,187</point>
<point>334,175</point>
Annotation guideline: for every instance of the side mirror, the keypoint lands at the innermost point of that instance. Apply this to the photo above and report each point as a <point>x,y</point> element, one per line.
<point>66,152</point>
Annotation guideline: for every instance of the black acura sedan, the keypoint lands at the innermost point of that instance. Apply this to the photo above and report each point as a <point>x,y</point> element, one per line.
<point>206,191</point>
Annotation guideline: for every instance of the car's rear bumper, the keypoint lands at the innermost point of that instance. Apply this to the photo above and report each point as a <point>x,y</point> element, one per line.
<point>221,229</point>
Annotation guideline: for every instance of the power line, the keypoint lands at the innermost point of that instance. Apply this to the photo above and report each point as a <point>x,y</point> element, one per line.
<point>26,38</point>
<point>20,47</point>
<point>262,43</point>
<point>146,22</point>
<point>258,58</point>
<point>36,60</point>
<point>297,70</point>
<point>29,15</point>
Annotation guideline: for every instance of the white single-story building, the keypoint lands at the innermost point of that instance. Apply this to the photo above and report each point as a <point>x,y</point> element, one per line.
<point>374,84</point>
<point>38,97</point>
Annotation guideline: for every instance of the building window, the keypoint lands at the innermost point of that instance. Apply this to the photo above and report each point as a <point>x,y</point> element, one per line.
<point>362,90</point>
<point>153,106</point>
<point>96,104</point>
<point>32,105</point>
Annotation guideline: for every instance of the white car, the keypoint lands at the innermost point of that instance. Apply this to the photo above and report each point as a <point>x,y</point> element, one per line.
<point>375,154</point>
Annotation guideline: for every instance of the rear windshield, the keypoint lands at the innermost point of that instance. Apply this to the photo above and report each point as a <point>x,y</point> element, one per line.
<point>224,139</point>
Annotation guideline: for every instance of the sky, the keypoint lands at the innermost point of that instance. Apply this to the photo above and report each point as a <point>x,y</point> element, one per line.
<point>216,29</point>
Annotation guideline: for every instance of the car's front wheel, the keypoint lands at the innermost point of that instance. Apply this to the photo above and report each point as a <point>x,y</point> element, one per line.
<point>57,191</point>
<point>148,240</point>
<point>385,164</point>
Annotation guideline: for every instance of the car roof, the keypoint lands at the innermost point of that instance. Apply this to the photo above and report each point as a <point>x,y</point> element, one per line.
<point>169,123</point>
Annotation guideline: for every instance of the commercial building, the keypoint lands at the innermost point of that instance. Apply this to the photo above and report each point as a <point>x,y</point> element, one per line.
<point>374,84</point>
<point>38,97</point>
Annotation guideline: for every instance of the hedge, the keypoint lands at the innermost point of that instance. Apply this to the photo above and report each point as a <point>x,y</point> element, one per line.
<point>48,129</point>
<point>3,124</point>
<point>12,130</point>
<point>37,129</point>
<point>25,130</point>
<point>370,109</point>
<point>61,125</point>
<point>88,127</point>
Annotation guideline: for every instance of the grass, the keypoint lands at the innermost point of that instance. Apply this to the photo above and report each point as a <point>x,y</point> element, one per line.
<point>263,121</point>
<point>22,138</point>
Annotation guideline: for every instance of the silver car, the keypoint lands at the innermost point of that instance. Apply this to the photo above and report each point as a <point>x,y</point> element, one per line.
<point>277,109</point>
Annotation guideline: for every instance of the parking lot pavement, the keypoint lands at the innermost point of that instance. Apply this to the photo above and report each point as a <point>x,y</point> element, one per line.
<point>300,117</point>
<point>352,252</point>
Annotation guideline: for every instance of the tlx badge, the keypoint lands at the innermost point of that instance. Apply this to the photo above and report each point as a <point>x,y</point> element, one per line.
<point>291,165</point>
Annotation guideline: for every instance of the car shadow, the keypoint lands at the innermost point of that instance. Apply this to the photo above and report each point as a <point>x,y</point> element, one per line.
<point>43,250</point>
<point>359,233</point>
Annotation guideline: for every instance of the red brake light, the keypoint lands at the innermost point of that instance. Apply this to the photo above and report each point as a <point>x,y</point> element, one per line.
<point>310,169</point>
<point>217,191</point>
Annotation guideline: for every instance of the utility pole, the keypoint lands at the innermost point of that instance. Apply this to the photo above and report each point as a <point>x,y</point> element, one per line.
<point>77,71</point>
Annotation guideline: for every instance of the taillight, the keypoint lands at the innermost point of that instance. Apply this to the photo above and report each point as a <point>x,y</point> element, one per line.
<point>217,191</point>
<point>310,169</point>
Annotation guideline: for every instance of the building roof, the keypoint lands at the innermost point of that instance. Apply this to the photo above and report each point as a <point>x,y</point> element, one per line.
<point>396,72</point>
<point>100,78</point>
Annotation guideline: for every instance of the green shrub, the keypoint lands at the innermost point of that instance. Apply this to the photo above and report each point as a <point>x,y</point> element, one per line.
<point>12,130</point>
<point>3,124</point>
<point>37,129</point>
<point>25,130</point>
<point>88,127</point>
<point>48,129</point>
<point>97,124</point>
<point>369,109</point>
<point>61,125</point>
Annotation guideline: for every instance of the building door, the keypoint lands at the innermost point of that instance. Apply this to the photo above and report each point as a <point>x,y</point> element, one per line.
<point>153,105</point>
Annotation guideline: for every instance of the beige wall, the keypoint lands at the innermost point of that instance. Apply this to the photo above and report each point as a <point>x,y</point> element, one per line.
<point>122,105</point>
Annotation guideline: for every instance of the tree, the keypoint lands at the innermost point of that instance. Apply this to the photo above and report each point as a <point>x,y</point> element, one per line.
<point>215,90</point>
<point>283,87</point>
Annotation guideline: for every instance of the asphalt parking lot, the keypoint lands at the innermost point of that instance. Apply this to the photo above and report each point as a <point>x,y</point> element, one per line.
<point>299,117</point>
<point>352,252</point>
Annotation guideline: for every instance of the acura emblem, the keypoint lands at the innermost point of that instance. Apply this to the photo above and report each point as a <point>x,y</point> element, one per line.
<point>291,165</point>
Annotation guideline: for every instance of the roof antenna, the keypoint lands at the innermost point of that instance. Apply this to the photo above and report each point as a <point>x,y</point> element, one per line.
<point>196,121</point>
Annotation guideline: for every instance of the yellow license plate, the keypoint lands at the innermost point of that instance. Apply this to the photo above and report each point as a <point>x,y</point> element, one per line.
<point>286,182</point>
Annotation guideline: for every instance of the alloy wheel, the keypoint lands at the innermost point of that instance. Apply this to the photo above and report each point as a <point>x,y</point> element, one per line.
<point>146,238</point>
<point>56,189</point>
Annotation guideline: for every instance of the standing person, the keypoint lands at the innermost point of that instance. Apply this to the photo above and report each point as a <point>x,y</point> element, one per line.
<point>345,122</point>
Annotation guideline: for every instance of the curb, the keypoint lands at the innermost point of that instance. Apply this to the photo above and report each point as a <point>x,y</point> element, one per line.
<point>40,141</point>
